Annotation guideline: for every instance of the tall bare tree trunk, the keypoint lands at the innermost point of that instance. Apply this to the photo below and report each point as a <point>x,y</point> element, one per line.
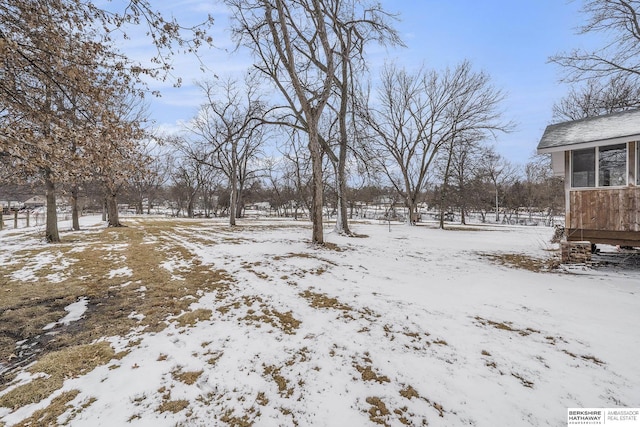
<point>51,229</point>
<point>233,197</point>
<point>190,208</point>
<point>317,235</point>
<point>74,208</point>
<point>345,87</point>
<point>342,223</point>
<point>413,209</point>
<point>445,185</point>
<point>233,202</point>
<point>497,205</point>
<point>112,210</point>
<point>239,202</point>
<point>342,219</point>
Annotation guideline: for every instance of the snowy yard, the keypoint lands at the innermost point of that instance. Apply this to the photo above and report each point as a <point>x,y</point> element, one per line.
<point>192,323</point>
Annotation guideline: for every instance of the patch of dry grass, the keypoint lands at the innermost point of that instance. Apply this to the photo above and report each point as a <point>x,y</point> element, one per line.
<point>232,420</point>
<point>364,367</point>
<point>506,326</point>
<point>283,321</point>
<point>332,247</point>
<point>187,377</point>
<point>378,412</point>
<point>317,300</point>
<point>523,261</point>
<point>523,381</point>
<point>273,372</point>
<point>303,255</point>
<point>215,356</point>
<point>83,263</point>
<point>249,267</point>
<point>169,405</point>
<point>409,393</point>
<point>385,414</point>
<point>588,358</point>
<point>367,374</point>
<point>58,366</point>
<point>190,318</point>
<point>592,359</point>
<point>49,415</point>
<point>262,399</point>
<point>174,406</point>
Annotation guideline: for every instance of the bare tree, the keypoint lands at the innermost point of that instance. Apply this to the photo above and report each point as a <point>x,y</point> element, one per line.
<point>117,150</point>
<point>404,129</point>
<point>310,50</point>
<point>498,171</point>
<point>211,181</point>
<point>43,109</point>
<point>544,191</point>
<point>618,21</point>
<point>58,69</point>
<point>229,135</point>
<point>187,181</point>
<point>355,24</point>
<point>297,169</point>
<point>278,194</point>
<point>418,114</point>
<point>594,97</point>
<point>291,43</point>
<point>458,167</point>
<point>146,181</point>
<point>31,29</point>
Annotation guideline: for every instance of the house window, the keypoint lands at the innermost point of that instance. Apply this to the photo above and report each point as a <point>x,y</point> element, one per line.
<point>612,165</point>
<point>599,167</point>
<point>583,168</point>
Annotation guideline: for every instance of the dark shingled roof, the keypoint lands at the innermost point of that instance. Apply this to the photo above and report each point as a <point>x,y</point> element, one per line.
<point>601,128</point>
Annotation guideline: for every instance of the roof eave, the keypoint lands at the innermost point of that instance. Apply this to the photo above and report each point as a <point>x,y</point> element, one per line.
<point>589,144</point>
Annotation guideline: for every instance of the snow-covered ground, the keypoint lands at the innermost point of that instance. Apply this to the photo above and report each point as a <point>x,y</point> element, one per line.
<point>406,326</point>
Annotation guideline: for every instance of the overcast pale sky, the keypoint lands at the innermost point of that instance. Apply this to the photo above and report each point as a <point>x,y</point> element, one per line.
<point>511,40</point>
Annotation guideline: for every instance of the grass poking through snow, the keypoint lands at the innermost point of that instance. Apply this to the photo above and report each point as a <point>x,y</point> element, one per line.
<point>143,298</point>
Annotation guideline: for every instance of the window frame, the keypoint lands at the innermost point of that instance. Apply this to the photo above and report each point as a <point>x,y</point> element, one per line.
<point>625,172</point>
<point>595,167</point>
<point>596,150</point>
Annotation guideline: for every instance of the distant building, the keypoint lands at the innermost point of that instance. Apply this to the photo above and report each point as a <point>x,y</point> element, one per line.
<point>599,158</point>
<point>35,202</point>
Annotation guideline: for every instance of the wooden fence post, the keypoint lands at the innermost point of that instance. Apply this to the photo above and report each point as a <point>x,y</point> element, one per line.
<point>27,219</point>
<point>15,219</point>
<point>1,222</point>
